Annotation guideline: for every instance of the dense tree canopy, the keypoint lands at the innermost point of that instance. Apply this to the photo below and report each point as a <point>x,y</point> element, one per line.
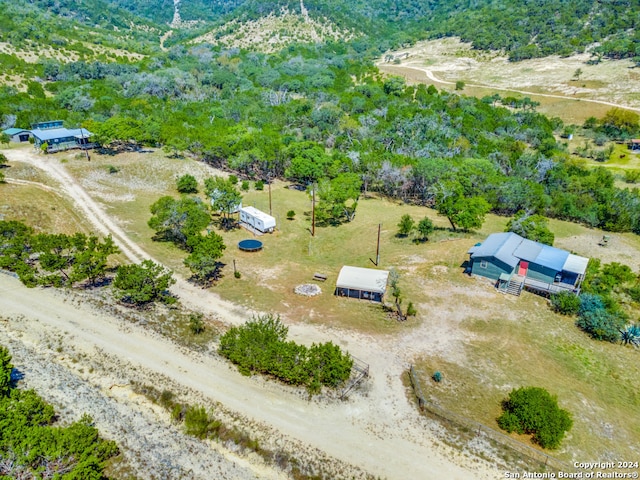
<point>32,445</point>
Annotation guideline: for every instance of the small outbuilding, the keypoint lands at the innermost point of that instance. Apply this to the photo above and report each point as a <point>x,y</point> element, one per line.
<point>17,135</point>
<point>363,283</point>
<point>257,219</point>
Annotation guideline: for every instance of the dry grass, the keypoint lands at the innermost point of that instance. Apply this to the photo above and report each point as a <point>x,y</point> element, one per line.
<point>484,343</point>
<point>529,345</point>
<point>45,211</point>
<point>486,73</point>
<point>275,31</point>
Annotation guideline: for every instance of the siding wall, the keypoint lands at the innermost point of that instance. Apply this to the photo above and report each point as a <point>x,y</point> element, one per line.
<point>493,269</point>
<point>543,274</point>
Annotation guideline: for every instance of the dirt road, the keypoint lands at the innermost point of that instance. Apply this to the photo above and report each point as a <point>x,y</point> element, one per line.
<point>401,69</point>
<point>379,431</point>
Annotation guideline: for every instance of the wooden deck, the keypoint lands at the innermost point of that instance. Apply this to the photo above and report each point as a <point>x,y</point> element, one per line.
<point>537,286</point>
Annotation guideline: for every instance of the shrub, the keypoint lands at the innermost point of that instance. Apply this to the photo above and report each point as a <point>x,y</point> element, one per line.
<point>197,422</point>
<point>601,324</point>
<point>187,184</point>
<point>460,85</point>
<point>237,274</point>
<point>533,410</point>
<point>290,214</point>
<point>565,303</point>
<point>260,346</point>
<point>245,186</point>
<point>196,325</point>
<point>259,185</point>
<point>233,179</point>
<point>631,176</point>
<point>437,376</point>
<point>411,310</point>
<point>406,225</point>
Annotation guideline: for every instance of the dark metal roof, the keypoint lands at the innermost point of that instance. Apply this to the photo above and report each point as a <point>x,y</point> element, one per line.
<point>52,133</point>
<point>510,248</point>
<point>528,250</point>
<point>500,246</point>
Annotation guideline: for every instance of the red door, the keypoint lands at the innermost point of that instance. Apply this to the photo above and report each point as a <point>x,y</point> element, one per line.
<point>523,268</point>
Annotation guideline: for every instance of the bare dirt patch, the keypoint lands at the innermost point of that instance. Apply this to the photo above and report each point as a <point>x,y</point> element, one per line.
<point>446,61</point>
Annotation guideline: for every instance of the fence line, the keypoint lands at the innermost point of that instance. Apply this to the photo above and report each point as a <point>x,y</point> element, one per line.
<point>464,422</point>
<point>359,371</point>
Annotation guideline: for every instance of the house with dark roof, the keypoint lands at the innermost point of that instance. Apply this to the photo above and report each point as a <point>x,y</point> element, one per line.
<point>17,134</point>
<point>516,263</point>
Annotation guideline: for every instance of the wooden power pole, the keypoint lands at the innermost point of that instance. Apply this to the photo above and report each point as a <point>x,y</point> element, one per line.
<point>313,211</point>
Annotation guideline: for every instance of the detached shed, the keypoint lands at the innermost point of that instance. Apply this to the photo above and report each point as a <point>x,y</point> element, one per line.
<point>257,219</point>
<point>17,134</point>
<point>357,282</point>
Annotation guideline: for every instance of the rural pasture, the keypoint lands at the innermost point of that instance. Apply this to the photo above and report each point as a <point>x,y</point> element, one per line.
<point>483,342</point>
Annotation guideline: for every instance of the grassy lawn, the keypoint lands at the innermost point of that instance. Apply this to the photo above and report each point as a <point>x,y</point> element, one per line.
<point>531,346</point>
<point>45,211</point>
<point>483,342</point>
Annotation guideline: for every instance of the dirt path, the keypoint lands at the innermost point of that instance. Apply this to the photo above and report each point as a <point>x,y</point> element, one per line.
<point>380,431</point>
<point>398,69</point>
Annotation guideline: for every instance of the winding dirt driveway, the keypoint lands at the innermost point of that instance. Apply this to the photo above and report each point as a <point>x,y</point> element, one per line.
<point>380,431</point>
<point>398,69</point>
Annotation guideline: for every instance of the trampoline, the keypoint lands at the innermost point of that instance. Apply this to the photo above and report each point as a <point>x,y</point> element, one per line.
<point>250,245</point>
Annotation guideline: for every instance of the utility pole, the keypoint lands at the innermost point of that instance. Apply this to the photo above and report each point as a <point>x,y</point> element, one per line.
<point>269,182</point>
<point>377,248</point>
<point>84,145</point>
<point>313,211</point>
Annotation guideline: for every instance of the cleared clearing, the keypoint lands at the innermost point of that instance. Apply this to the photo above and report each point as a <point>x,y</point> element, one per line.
<point>552,81</point>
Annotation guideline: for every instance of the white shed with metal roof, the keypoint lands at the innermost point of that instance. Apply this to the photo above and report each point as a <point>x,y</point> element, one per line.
<point>365,283</point>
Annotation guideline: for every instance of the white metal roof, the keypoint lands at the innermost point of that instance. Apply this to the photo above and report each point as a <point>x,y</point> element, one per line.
<point>365,279</point>
<point>267,219</point>
<point>575,264</point>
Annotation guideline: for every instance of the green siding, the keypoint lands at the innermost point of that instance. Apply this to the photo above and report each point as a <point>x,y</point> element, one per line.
<point>543,274</point>
<point>492,270</point>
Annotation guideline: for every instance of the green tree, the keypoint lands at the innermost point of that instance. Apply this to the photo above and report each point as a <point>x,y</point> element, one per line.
<point>424,229</point>
<point>4,139</point>
<point>533,410</point>
<point>3,158</point>
<point>203,259</point>
<point>187,184</point>
<point>396,292</point>
<point>225,198</point>
<point>91,262</point>
<point>533,227</point>
<point>308,163</point>
<point>141,284</point>
<point>406,225</point>
<point>176,220</point>
<point>338,198</point>
<point>5,371</point>
<point>620,123</point>
<point>461,211</point>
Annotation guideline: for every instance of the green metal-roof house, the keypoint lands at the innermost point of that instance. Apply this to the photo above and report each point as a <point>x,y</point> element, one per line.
<point>17,134</point>
<point>516,263</point>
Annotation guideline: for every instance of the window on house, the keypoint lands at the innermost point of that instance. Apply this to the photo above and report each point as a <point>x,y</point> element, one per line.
<point>483,264</point>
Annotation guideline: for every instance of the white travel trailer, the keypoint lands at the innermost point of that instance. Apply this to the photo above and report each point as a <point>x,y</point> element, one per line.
<point>259,220</point>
